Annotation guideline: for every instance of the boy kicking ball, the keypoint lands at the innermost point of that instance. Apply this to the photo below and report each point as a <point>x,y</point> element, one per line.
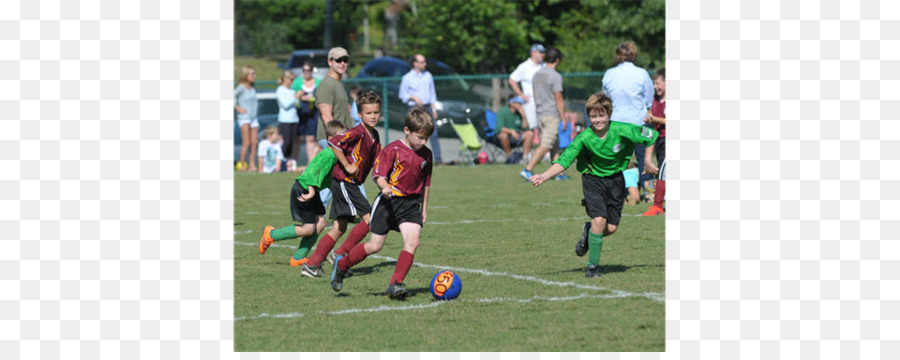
<point>403,173</point>
<point>602,154</point>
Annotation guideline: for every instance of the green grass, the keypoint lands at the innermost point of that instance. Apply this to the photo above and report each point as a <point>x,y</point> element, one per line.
<point>526,297</point>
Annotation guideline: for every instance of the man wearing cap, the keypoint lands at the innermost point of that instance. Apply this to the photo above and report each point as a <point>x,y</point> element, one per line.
<point>331,98</point>
<point>512,127</point>
<point>417,89</point>
<point>523,74</point>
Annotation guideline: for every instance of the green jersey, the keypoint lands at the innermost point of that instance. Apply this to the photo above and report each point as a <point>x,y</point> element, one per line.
<point>608,156</point>
<point>318,172</point>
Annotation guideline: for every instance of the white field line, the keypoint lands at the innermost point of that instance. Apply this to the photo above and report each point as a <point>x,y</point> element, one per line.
<point>619,293</point>
<point>434,304</point>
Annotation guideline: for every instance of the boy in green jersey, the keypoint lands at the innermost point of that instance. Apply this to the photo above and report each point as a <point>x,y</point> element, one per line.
<point>306,206</point>
<point>602,155</point>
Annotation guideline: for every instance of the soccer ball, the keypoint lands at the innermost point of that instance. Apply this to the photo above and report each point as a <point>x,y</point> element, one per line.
<point>446,285</point>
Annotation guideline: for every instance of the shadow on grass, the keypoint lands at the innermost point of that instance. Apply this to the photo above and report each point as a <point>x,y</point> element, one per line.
<point>604,269</point>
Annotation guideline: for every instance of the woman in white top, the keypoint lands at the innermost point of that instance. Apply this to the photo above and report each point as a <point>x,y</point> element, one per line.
<point>288,121</point>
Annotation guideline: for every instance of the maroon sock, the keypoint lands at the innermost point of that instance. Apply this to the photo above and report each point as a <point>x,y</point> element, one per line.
<point>326,243</point>
<point>404,262</point>
<point>356,235</point>
<point>660,193</point>
<point>355,256</point>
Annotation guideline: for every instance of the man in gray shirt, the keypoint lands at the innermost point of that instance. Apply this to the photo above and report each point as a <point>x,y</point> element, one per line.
<point>331,98</point>
<point>550,110</point>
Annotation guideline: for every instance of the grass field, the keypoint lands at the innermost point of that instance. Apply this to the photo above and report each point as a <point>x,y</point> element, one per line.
<point>512,245</point>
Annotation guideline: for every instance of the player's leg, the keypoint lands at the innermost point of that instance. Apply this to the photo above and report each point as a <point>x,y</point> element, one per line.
<point>307,243</point>
<point>358,206</point>
<point>356,235</point>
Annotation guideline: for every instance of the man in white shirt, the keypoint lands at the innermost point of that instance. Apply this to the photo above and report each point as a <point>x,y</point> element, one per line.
<point>523,74</point>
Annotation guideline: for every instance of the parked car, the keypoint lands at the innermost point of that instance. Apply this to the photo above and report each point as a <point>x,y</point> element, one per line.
<point>318,57</point>
<point>456,100</point>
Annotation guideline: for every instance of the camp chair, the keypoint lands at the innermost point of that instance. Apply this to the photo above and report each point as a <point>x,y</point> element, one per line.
<point>490,135</point>
<point>471,143</point>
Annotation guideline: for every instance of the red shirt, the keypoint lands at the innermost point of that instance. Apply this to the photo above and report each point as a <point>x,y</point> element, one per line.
<point>658,109</point>
<point>360,147</point>
<point>407,171</point>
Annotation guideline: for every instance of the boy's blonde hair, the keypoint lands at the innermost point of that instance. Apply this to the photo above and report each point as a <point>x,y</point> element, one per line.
<point>271,129</point>
<point>418,119</point>
<point>626,51</point>
<point>334,127</point>
<point>369,97</point>
<point>599,101</point>
<point>245,73</point>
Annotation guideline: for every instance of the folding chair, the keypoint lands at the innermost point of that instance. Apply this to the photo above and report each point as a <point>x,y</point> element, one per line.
<point>495,149</point>
<point>471,143</point>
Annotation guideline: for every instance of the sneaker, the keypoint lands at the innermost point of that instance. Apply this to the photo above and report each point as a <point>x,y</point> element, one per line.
<point>396,291</point>
<point>581,247</point>
<point>562,177</point>
<point>593,271</point>
<point>654,210</point>
<point>337,276</point>
<point>311,271</point>
<point>525,174</point>
<point>266,240</point>
<point>296,263</point>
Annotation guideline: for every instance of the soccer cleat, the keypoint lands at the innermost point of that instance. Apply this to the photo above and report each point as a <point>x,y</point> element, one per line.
<point>562,177</point>
<point>295,262</point>
<point>654,210</point>
<point>266,240</point>
<point>337,276</point>
<point>311,271</point>
<point>525,174</point>
<point>396,291</point>
<point>581,247</point>
<point>592,271</point>
<point>330,257</point>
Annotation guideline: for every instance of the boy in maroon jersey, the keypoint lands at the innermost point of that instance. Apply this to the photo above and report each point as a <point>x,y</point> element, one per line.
<point>356,150</point>
<point>403,173</point>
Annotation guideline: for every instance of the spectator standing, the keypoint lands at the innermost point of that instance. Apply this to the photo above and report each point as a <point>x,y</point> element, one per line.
<point>331,97</point>
<point>417,89</point>
<point>524,74</point>
<point>245,103</point>
<point>631,91</point>
<point>306,110</point>
<point>550,109</point>
<point>288,120</point>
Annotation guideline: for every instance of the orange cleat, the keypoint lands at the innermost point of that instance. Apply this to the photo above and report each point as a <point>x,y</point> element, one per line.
<point>266,240</point>
<point>654,210</point>
<point>296,263</point>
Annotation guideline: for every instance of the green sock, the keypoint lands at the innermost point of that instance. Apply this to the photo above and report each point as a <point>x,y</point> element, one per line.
<point>284,233</point>
<point>305,245</point>
<point>595,242</point>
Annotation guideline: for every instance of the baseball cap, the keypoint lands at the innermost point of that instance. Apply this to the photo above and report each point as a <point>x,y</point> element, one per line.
<point>517,99</point>
<point>337,53</point>
<point>538,47</point>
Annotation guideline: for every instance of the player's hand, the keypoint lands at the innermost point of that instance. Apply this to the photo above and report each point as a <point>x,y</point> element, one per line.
<point>351,170</point>
<point>565,125</point>
<point>386,192</point>
<point>649,168</point>
<point>537,180</point>
<point>305,197</point>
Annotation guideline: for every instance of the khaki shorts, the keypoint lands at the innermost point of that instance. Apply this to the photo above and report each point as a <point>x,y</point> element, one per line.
<point>549,131</point>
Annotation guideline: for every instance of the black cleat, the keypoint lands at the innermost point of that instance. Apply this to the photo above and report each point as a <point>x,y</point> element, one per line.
<point>396,291</point>
<point>581,247</point>
<point>593,271</point>
<point>311,271</point>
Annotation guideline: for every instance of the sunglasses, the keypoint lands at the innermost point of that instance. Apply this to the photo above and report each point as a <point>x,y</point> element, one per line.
<point>342,59</point>
<point>307,70</point>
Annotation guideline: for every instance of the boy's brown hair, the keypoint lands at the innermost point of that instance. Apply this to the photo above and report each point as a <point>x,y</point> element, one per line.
<point>369,97</point>
<point>660,74</point>
<point>626,51</point>
<point>418,119</point>
<point>334,127</point>
<point>599,101</point>
<point>271,129</point>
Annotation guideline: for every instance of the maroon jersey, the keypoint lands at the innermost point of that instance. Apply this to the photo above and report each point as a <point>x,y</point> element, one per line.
<point>407,171</point>
<point>360,147</point>
<point>658,109</point>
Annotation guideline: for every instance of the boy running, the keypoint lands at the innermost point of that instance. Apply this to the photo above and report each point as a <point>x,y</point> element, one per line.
<point>306,206</point>
<point>355,150</point>
<point>403,173</point>
<point>602,154</point>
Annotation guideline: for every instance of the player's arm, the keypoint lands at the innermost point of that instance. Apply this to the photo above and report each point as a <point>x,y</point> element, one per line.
<point>339,154</point>
<point>385,188</point>
<point>649,168</point>
<point>425,205</point>
<point>554,170</point>
<point>561,108</point>
<point>310,193</point>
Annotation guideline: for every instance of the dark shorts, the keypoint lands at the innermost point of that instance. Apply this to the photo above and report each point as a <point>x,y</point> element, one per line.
<point>308,124</point>
<point>389,213</point>
<point>604,196</point>
<point>305,212</point>
<point>659,148</point>
<point>347,201</point>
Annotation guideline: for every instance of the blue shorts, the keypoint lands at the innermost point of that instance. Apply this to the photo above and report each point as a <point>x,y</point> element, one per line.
<point>631,177</point>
